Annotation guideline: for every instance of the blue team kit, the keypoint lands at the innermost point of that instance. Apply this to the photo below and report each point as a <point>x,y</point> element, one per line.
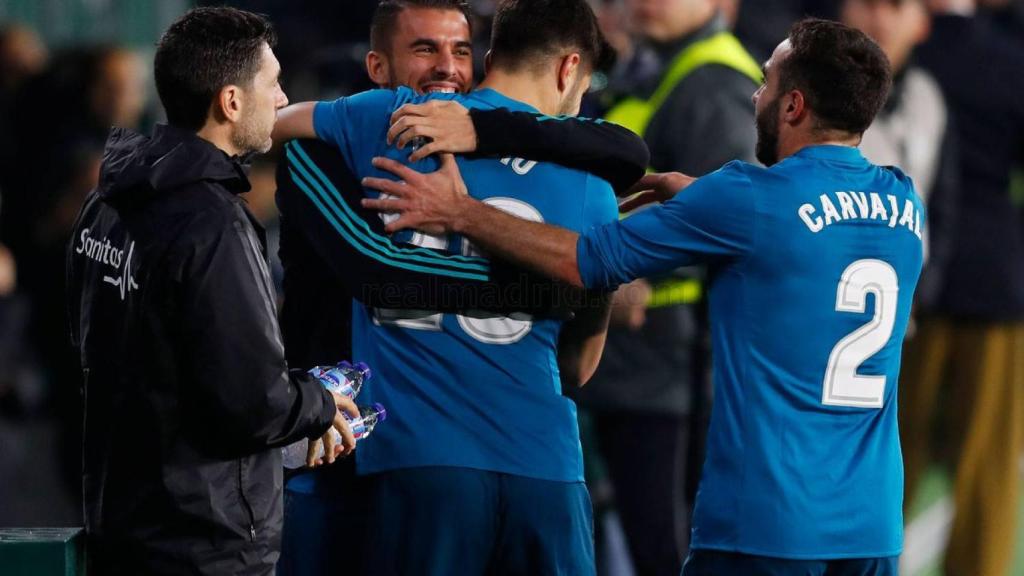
<point>803,451</point>
<point>485,390</point>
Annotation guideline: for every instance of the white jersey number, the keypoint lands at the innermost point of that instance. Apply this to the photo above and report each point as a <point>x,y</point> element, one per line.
<point>842,385</point>
<point>481,326</point>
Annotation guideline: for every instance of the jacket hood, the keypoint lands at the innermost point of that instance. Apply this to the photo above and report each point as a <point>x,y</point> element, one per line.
<point>137,167</point>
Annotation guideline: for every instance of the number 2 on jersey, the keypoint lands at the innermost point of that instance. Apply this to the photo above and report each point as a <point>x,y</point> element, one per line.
<point>842,385</point>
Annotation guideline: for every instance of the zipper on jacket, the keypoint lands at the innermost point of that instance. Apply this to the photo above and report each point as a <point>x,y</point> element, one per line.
<point>245,501</point>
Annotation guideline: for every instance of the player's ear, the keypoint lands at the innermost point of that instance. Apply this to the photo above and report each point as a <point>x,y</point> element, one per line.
<point>377,68</point>
<point>794,107</point>
<point>568,67</point>
<point>227,104</point>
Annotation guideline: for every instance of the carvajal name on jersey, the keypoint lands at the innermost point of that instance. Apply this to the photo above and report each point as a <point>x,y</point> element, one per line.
<point>860,206</point>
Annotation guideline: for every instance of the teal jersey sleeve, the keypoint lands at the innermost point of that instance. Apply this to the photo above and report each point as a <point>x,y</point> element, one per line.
<point>712,219</point>
<point>599,205</point>
<point>353,123</point>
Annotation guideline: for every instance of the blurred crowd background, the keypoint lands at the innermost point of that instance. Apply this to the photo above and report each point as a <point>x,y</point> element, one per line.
<point>70,69</point>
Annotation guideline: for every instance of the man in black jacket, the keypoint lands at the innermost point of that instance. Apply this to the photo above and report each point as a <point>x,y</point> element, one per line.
<point>188,395</point>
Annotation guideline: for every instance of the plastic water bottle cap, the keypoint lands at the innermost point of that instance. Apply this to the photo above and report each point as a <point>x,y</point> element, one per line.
<point>382,414</point>
<point>362,367</point>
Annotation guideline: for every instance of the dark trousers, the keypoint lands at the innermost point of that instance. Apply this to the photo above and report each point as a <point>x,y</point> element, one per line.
<point>646,459</point>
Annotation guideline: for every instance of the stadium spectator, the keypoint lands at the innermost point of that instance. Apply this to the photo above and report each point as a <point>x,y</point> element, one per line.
<point>965,364</point>
<point>22,56</point>
<point>797,433</point>
<point>13,316</point>
<point>692,106</point>
<point>188,395</point>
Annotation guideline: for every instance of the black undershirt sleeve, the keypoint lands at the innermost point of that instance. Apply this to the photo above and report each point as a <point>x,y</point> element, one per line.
<point>601,148</point>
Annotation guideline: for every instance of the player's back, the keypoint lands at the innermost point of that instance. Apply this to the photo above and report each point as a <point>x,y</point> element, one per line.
<point>804,458</point>
<point>472,389</point>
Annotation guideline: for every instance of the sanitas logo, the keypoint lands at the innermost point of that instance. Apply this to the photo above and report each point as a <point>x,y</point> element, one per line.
<point>104,252</point>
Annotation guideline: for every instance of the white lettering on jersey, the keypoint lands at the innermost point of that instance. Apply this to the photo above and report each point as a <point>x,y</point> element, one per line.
<point>814,224</point>
<point>519,166</point>
<point>831,215</point>
<point>862,203</point>
<point>855,206</point>
<point>878,208</point>
<point>908,215</point>
<point>846,205</point>
<point>895,211</point>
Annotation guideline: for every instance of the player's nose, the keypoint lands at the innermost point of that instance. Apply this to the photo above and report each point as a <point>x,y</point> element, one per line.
<point>444,66</point>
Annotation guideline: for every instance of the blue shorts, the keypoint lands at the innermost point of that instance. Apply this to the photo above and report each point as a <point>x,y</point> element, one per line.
<point>325,512</point>
<point>445,520</point>
<point>716,563</point>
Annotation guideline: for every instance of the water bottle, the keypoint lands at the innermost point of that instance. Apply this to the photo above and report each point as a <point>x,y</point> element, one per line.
<point>369,417</point>
<point>345,378</point>
<point>294,455</point>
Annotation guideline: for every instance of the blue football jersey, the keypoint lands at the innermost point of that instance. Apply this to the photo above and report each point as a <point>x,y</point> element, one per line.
<point>473,389</point>
<point>813,266</point>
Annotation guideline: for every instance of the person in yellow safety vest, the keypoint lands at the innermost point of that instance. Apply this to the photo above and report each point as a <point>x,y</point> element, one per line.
<point>688,88</point>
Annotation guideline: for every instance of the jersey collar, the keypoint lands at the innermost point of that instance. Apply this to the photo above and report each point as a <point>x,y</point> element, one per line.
<point>832,152</point>
<point>499,100</point>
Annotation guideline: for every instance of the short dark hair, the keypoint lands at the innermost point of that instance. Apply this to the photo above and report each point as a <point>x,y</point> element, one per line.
<point>844,76</point>
<point>382,27</point>
<point>204,51</point>
<point>526,30</point>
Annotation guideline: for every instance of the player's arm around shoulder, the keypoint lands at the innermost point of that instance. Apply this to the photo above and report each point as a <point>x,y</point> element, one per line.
<point>445,124</point>
<point>334,121</point>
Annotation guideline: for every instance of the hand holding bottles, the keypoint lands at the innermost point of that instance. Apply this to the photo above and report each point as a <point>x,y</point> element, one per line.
<point>339,439</point>
<point>351,423</point>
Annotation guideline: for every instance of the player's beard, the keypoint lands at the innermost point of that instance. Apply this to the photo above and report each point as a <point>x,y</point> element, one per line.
<point>767,148</point>
<point>252,134</point>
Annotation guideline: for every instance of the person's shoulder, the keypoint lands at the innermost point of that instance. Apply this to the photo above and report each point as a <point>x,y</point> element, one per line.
<point>203,208</point>
<point>900,179</point>
<point>731,184</point>
<point>412,95</point>
<point>378,98</point>
<point>406,95</point>
<point>737,170</point>
<point>790,171</point>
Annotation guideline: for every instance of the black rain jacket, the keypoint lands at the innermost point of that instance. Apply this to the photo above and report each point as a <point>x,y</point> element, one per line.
<point>187,392</point>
